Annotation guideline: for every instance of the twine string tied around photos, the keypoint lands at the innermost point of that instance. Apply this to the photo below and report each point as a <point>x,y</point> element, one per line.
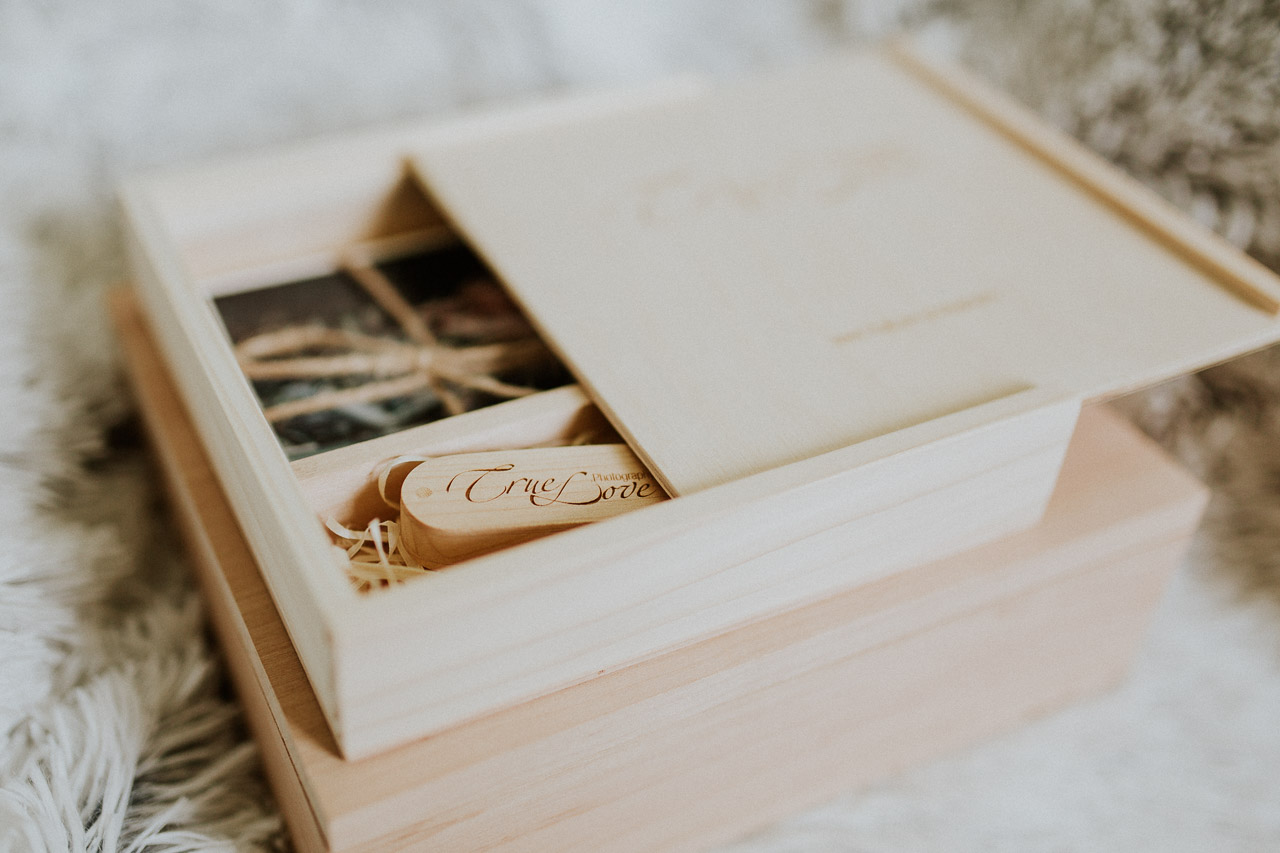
<point>390,368</point>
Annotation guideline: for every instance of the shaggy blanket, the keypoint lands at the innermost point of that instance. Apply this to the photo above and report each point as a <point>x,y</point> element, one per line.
<point>116,728</point>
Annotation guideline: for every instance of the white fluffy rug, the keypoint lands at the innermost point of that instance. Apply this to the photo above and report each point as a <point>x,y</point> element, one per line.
<point>115,728</point>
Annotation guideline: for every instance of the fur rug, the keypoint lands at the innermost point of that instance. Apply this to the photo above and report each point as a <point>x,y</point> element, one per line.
<point>116,729</point>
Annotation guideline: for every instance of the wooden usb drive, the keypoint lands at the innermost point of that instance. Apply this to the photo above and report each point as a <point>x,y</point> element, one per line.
<point>461,506</point>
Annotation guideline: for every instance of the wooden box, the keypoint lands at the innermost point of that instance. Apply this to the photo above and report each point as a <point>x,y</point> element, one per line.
<point>847,314</point>
<point>709,741</point>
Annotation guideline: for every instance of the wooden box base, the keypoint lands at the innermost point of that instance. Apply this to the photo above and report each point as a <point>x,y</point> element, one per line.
<point>705,743</point>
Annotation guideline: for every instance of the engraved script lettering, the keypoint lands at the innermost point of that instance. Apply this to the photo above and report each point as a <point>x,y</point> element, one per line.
<point>482,485</point>
<point>810,178</point>
<point>936,312</point>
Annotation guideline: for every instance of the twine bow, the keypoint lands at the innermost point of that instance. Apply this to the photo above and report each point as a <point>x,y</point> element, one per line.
<point>393,368</point>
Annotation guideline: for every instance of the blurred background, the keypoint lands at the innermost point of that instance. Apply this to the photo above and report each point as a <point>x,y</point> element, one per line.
<point>114,719</point>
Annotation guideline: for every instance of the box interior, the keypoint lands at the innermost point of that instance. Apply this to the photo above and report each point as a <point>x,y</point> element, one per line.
<point>261,283</point>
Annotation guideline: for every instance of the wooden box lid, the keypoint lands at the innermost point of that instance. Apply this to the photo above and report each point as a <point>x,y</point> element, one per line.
<point>767,271</point>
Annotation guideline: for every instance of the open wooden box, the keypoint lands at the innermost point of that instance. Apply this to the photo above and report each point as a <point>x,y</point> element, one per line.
<point>847,315</point>
<point>712,740</point>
